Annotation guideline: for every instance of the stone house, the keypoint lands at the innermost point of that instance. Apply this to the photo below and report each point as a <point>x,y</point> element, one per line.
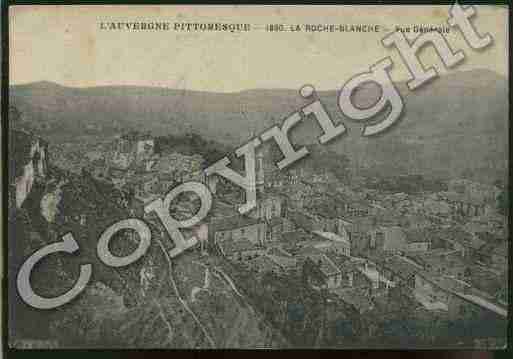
<point>387,239</point>
<point>449,264</point>
<point>277,226</point>
<point>416,240</point>
<point>332,242</point>
<point>463,205</point>
<point>238,228</point>
<point>321,272</point>
<point>268,206</point>
<point>239,250</point>
<point>466,243</point>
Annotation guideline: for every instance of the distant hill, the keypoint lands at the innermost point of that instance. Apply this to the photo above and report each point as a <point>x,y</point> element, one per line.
<point>457,124</point>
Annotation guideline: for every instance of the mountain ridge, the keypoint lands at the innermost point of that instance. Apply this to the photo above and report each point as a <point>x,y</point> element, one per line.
<point>457,122</point>
<point>450,75</point>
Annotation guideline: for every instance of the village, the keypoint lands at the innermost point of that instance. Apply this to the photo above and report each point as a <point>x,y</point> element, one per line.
<point>360,251</point>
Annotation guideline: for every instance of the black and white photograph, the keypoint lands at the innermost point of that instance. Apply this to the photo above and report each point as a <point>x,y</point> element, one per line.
<point>257,177</point>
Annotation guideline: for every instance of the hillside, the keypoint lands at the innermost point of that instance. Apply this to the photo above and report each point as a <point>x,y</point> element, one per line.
<point>115,310</point>
<point>457,123</point>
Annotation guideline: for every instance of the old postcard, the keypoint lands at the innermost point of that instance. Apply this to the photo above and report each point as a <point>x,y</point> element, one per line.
<point>258,177</point>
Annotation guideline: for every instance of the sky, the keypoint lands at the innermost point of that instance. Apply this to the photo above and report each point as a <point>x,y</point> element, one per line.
<point>65,44</point>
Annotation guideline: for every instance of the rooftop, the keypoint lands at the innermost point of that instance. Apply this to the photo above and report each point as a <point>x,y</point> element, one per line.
<point>458,235</point>
<point>417,235</point>
<point>437,261</point>
<point>344,263</point>
<point>295,236</point>
<point>401,266</point>
<point>230,246</point>
<point>458,197</point>
<point>326,266</point>
<point>332,237</point>
<point>359,224</point>
<point>283,261</point>
<point>136,136</point>
<point>234,222</point>
<point>276,221</point>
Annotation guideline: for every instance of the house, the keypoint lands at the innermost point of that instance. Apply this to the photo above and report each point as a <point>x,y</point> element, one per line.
<point>388,239</point>
<point>321,272</point>
<point>416,240</point>
<point>277,226</point>
<point>357,209</point>
<point>145,146</point>
<point>143,185</point>
<point>239,250</point>
<point>466,243</point>
<point>304,220</point>
<point>238,228</point>
<point>437,291</point>
<point>436,206</point>
<point>409,276</point>
<point>117,176</point>
<point>269,205</point>
<point>489,222</point>
<point>399,270</point>
<point>415,221</point>
<point>350,269</point>
<point>132,146</point>
<point>180,165</point>
<point>327,216</point>
<point>479,191</point>
<point>293,242</point>
<point>448,264</point>
<point>121,159</point>
<point>221,209</point>
<point>464,205</point>
<point>377,281</point>
<point>333,242</point>
<point>148,163</point>
<point>296,194</point>
<point>286,263</point>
